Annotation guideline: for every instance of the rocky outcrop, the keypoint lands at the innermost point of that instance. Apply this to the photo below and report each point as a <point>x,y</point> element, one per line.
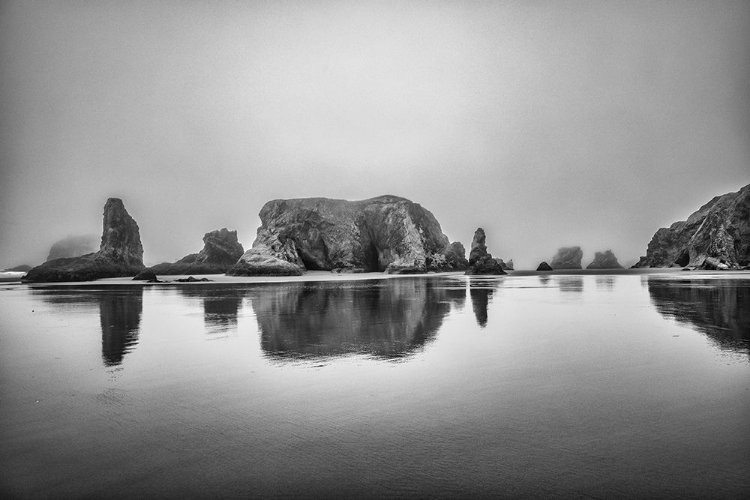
<point>567,258</point>
<point>220,251</point>
<point>146,275</point>
<point>480,260</point>
<point>74,246</point>
<point>543,266</point>
<point>505,266</point>
<point>120,252</point>
<point>604,260</point>
<point>386,233</point>
<point>719,230</point>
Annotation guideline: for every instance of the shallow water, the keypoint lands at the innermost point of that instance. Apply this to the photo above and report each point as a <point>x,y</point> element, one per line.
<point>628,385</point>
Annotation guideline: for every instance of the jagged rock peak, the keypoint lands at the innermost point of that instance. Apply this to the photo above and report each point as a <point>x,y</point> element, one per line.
<point>221,247</point>
<point>386,233</point>
<point>567,258</point>
<point>480,260</point>
<point>716,236</point>
<point>221,250</point>
<point>543,266</point>
<point>121,239</point>
<point>604,260</point>
<point>74,246</point>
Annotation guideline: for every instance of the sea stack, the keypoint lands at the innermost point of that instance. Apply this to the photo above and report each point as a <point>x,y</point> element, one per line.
<point>480,260</point>
<point>221,250</point>
<point>543,266</point>
<point>120,252</point>
<point>387,233</point>
<point>604,260</point>
<point>717,236</point>
<point>567,258</point>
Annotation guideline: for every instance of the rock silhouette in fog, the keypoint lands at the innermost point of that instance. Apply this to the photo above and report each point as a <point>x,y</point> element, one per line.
<point>567,258</point>
<point>74,246</point>
<point>604,260</point>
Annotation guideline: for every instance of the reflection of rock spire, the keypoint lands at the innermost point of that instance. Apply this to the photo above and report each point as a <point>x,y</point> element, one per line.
<point>120,315</point>
<point>719,308</point>
<point>220,311</point>
<point>481,293</point>
<point>221,304</point>
<point>386,318</point>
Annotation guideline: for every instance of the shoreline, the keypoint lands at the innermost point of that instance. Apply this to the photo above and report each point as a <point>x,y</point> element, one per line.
<point>325,276</point>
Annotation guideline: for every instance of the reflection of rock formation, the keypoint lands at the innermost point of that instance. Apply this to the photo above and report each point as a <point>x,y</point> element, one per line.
<point>605,283</point>
<point>119,314</point>
<point>481,293</point>
<point>221,305</point>
<point>718,308</point>
<point>570,283</point>
<point>387,318</point>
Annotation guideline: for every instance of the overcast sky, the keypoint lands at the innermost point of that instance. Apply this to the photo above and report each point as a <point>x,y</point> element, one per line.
<point>546,123</point>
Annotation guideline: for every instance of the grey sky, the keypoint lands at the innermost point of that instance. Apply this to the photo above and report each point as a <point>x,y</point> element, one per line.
<point>546,123</point>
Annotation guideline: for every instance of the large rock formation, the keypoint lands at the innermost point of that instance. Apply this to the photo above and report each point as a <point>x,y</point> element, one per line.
<point>604,260</point>
<point>480,260</point>
<point>74,246</point>
<point>567,258</point>
<point>386,233</point>
<point>120,252</point>
<point>221,250</point>
<point>718,233</point>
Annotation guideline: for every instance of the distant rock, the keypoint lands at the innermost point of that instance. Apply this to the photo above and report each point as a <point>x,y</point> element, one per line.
<point>145,275</point>
<point>220,251</point>
<point>604,260</point>
<point>480,260</point>
<point>567,258</point>
<point>19,269</point>
<point>544,267</point>
<point>74,246</point>
<point>190,279</point>
<point>505,266</point>
<point>719,230</point>
<point>386,233</point>
<point>120,252</point>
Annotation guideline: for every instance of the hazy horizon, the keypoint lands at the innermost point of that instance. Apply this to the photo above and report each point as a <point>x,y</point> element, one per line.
<point>548,124</point>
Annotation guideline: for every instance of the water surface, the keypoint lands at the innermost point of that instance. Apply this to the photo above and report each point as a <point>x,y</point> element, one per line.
<point>538,386</point>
